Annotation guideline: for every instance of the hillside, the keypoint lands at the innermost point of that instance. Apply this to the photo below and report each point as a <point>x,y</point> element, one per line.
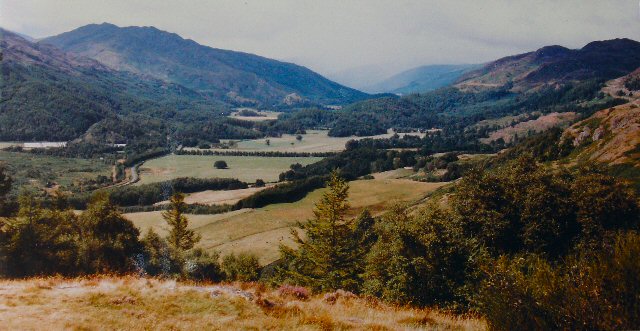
<point>233,77</point>
<point>130,303</point>
<point>422,79</point>
<point>48,94</point>
<point>610,136</point>
<point>551,79</point>
<point>553,65</point>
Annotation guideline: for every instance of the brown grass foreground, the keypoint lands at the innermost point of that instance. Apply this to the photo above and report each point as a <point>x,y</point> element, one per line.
<point>132,303</point>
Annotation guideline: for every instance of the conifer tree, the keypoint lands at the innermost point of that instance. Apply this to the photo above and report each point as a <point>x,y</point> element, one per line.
<point>179,237</point>
<point>327,259</point>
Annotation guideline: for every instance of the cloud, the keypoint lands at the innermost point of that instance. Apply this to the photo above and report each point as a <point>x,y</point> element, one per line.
<point>334,35</point>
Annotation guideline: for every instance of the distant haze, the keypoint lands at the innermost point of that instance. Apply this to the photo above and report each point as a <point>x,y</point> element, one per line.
<point>355,42</point>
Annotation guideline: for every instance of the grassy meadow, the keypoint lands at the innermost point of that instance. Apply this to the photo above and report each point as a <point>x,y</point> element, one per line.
<point>131,303</point>
<point>312,141</point>
<point>261,230</point>
<point>244,168</point>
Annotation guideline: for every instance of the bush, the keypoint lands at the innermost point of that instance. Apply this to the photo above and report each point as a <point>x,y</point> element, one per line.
<point>242,267</point>
<point>592,291</point>
<point>200,265</point>
<point>220,164</point>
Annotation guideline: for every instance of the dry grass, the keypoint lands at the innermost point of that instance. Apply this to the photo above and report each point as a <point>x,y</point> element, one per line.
<point>261,230</point>
<point>522,129</point>
<point>211,197</point>
<point>130,303</point>
<point>264,115</point>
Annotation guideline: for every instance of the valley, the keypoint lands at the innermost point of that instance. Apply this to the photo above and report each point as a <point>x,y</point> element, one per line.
<point>153,181</point>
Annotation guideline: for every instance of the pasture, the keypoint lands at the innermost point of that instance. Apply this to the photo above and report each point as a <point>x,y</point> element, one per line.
<point>312,141</point>
<point>244,168</point>
<point>262,230</point>
<point>264,115</point>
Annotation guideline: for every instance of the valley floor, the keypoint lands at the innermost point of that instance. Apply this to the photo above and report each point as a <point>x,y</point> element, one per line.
<point>131,303</point>
<point>260,231</point>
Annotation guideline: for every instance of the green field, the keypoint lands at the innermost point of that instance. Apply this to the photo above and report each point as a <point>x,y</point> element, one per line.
<point>312,141</point>
<point>37,170</point>
<point>244,168</point>
<point>261,230</point>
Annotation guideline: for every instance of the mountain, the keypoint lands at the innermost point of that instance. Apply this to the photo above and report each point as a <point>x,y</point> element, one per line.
<point>233,77</point>
<point>422,79</point>
<point>556,65</point>
<point>551,79</point>
<point>48,94</point>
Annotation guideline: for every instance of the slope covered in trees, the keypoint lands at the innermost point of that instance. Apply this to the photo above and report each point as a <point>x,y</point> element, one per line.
<point>233,77</point>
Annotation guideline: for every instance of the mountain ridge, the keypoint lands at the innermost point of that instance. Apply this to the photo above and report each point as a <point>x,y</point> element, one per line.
<point>550,65</point>
<point>235,77</point>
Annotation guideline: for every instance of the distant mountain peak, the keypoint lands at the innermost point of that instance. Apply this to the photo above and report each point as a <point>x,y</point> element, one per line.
<point>555,64</point>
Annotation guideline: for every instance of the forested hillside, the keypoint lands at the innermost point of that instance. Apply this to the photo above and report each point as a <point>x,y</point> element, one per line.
<point>551,79</point>
<point>233,77</point>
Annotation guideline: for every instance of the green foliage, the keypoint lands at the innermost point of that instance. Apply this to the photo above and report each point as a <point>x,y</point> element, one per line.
<point>597,290</point>
<point>220,164</point>
<point>5,187</point>
<point>242,267</point>
<point>439,256</point>
<point>525,207</point>
<point>159,259</point>
<point>327,258</point>
<point>180,238</point>
<point>52,241</point>
<point>421,260</point>
<point>202,265</point>
<point>38,242</point>
<point>108,242</point>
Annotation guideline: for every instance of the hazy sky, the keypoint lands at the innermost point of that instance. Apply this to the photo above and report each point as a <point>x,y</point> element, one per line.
<point>332,36</point>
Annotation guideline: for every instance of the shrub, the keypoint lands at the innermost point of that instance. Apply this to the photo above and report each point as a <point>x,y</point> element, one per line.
<point>591,291</point>
<point>220,164</point>
<point>200,265</point>
<point>242,267</point>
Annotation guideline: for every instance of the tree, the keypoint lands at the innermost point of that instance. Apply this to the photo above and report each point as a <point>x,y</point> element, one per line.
<point>220,164</point>
<point>108,241</point>
<point>299,137</point>
<point>179,237</point>
<point>259,183</point>
<point>5,188</point>
<point>38,241</point>
<point>327,259</point>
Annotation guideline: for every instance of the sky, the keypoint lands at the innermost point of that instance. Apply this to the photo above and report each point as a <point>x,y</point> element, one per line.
<point>351,41</point>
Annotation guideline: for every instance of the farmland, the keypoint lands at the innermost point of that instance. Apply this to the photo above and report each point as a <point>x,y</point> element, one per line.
<point>312,141</point>
<point>263,115</point>
<point>244,168</point>
<point>261,230</point>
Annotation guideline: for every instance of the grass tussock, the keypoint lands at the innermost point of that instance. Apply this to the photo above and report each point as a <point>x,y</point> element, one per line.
<point>133,303</point>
